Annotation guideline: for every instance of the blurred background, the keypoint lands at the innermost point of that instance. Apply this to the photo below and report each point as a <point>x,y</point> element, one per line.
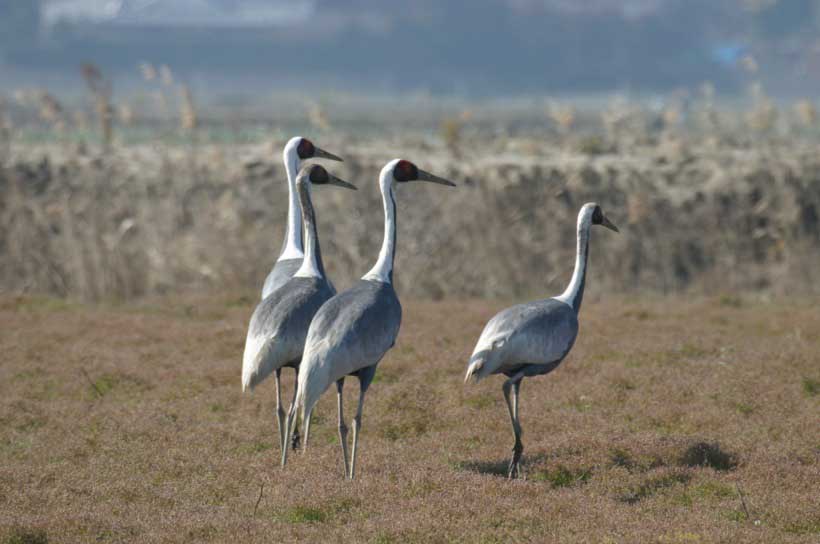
<point>140,142</point>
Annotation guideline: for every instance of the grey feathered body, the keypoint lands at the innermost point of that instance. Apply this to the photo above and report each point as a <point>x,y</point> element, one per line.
<point>279,275</point>
<point>281,272</point>
<point>279,326</point>
<point>533,337</point>
<point>351,332</point>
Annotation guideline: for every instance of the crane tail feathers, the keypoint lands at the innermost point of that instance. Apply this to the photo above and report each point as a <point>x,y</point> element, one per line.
<point>314,378</point>
<point>258,361</point>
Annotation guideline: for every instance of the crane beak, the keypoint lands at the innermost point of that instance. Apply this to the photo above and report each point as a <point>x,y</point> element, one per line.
<point>608,224</point>
<point>333,180</point>
<point>319,153</point>
<point>427,176</point>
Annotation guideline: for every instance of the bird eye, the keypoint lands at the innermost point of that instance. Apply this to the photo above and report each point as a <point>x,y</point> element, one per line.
<point>405,171</point>
<point>597,216</point>
<point>305,149</point>
<point>318,175</point>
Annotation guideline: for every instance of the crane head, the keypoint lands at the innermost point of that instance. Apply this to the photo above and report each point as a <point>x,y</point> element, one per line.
<point>404,171</point>
<point>303,149</point>
<point>598,217</point>
<point>317,175</point>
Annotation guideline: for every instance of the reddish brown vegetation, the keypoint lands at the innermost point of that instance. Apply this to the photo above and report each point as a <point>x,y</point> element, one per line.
<point>126,423</point>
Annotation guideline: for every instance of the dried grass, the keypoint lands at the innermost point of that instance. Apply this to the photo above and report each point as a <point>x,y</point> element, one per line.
<point>127,423</point>
<point>146,220</point>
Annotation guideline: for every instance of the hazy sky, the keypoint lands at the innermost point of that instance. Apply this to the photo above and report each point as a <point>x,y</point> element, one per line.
<point>179,12</point>
<point>265,12</point>
<point>460,46</point>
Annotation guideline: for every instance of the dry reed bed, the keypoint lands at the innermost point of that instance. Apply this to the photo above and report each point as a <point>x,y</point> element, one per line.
<point>701,218</point>
<point>673,421</point>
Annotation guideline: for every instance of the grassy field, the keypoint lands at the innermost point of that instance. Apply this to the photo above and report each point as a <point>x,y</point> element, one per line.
<point>673,420</point>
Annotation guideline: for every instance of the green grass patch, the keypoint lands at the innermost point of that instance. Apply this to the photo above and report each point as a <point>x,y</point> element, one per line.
<point>563,477</point>
<point>806,527</point>
<point>409,418</point>
<point>811,387</point>
<point>709,491</point>
<point>581,404</point>
<point>40,303</point>
<point>735,515</point>
<point>106,384</point>
<point>492,468</point>
<point>22,535</point>
<point>305,514</point>
<point>409,428</point>
<point>623,384</point>
<point>243,301</point>
<point>640,315</point>
<point>712,490</point>
<point>385,376</point>
<point>730,301</point>
<point>31,423</point>
<point>706,454</point>
<point>651,486</point>
<point>744,409</point>
<point>317,514</point>
<point>29,374</point>
<point>255,447</point>
<point>480,402</point>
<point>621,458</point>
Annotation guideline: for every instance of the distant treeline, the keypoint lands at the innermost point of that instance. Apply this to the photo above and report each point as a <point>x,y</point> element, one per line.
<point>478,48</point>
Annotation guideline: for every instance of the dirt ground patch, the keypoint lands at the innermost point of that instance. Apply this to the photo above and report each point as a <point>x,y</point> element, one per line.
<point>672,421</point>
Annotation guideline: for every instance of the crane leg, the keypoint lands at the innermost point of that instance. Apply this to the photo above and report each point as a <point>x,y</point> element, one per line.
<point>280,412</point>
<point>292,413</point>
<point>365,376</point>
<point>516,389</point>
<point>307,429</point>
<point>342,427</point>
<point>291,435</point>
<point>512,405</point>
<point>286,438</point>
<point>357,425</point>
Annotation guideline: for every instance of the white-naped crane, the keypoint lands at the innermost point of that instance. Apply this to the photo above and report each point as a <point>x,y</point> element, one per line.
<point>279,324</point>
<point>533,338</point>
<point>297,150</point>
<point>352,331</point>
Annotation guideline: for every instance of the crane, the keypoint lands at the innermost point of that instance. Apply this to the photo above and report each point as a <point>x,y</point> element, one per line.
<point>297,150</point>
<point>279,324</point>
<point>352,331</point>
<point>533,338</point>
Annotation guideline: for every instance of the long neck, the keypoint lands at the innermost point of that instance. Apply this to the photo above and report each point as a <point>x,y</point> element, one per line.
<point>574,293</point>
<point>383,270</point>
<point>292,246</point>
<point>312,264</point>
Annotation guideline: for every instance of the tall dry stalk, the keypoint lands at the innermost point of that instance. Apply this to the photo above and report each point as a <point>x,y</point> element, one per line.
<point>51,111</point>
<point>317,116</point>
<point>126,114</point>
<point>763,115</point>
<point>188,119</point>
<point>101,91</point>
<point>5,131</point>
<point>706,116</point>
<point>148,72</point>
<point>564,116</point>
<point>806,113</point>
<point>166,75</point>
